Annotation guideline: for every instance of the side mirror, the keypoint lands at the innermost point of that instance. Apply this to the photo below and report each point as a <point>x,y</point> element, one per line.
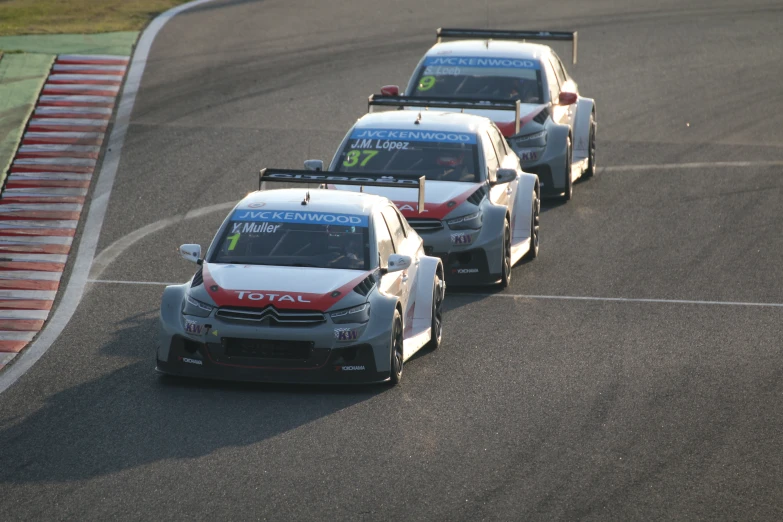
<point>191,253</point>
<point>398,262</point>
<point>390,90</point>
<point>505,176</point>
<point>567,98</point>
<point>314,165</point>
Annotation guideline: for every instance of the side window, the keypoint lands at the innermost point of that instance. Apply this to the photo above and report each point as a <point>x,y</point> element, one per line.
<point>558,67</point>
<point>406,228</point>
<point>382,236</point>
<point>499,142</point>
<point>489,157</point>
<point>551,78</point>
<point>395,227</point>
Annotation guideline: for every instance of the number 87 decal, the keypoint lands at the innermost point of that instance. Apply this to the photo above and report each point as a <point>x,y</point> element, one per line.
<point>352,158</point>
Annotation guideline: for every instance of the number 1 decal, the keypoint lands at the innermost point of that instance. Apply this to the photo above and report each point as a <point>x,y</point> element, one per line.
<point>233,241</point>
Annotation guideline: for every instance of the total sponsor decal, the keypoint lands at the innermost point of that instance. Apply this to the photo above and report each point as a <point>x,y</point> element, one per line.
<point>190,360</point>
<point>193,328</point>
<point>349,368</point>
<point>321,178</point>
<point>411,135</point>
<point>309,218</point>
<point>476,61</point>
<point>346,334</point>
<point>257,296</point>
<point>461,239</point>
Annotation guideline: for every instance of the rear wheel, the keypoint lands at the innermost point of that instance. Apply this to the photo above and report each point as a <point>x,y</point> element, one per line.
<point>590,172</point>
<point>505,277</point>
<point>396,349</point>
<point>569,186</point>
<point>535,225</point>
<point>437,315</point>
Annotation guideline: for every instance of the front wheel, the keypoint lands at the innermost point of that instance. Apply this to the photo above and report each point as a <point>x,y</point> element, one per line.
<point>397,355</point>
<point>437,315</point>
<point>535,226</point>
<point>590,172</point>
<point>569,186</point>
<point>505,277</point>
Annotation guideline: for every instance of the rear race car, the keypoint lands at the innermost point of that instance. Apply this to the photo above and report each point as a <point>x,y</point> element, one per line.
<point>305,286</point>
<point>554,135</point>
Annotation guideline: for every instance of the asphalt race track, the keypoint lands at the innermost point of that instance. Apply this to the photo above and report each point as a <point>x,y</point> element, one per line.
<point>535,408</point>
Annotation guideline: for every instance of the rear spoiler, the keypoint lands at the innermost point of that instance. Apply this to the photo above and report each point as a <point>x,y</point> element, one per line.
<point>557,36</point>
<point>362,179</point>
<point>445,103</point>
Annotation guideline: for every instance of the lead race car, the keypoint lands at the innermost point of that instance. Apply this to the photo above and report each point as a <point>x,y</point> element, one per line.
<point>482,211</point>
<point>555,136</point>
<point>306,286</point>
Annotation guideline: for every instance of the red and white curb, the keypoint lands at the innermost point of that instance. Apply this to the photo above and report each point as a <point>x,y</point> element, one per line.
<point>44,193</point>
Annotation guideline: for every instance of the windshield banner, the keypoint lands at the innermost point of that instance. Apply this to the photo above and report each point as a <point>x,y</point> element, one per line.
<point>308,218</point>
<point>411,135</point>
<point>475,61</point>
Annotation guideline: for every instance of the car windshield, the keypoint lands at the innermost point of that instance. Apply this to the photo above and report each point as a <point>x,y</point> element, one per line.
<point>297,238</point>
<point>438,156</point>
<point>479,78</point>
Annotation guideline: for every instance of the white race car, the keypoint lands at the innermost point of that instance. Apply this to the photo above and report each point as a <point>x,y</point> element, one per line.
<point>554,135</point>
<point>301,285</point>
<point>482,211</point>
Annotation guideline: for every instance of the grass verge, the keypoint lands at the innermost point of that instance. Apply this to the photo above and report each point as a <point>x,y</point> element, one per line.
<point>78,16</point>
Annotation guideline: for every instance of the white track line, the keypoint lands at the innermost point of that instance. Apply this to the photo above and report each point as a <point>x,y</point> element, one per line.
<point>619,299</point>
<point>111,252</point>
<point>38,275</point>
<point>701,165</point>
<point>10,335</point>
<point>100,201</point>
<point>118,282</point>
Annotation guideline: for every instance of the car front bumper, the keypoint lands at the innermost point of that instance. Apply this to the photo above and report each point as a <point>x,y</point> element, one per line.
<point>257,353</point>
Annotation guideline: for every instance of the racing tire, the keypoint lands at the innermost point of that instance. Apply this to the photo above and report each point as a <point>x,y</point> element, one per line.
<point>569,186</point>
<point>535,227</point>
<point>397,356</point>
<point>505,274</point>
<point>590,172</point>
<point>437,315</point>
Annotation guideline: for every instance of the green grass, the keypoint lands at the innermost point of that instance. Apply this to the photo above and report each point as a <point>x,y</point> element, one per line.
<point>18,17</point>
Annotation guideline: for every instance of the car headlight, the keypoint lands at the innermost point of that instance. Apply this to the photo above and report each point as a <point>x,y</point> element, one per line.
<point>470,221</point>
<point>197,308</point>
<point>357,314</point>
<point>537,139</point>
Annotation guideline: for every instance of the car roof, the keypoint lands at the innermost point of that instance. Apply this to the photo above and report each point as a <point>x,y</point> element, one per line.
<point>321,200</point>
<point>494,48</point>
<point>431,120</point>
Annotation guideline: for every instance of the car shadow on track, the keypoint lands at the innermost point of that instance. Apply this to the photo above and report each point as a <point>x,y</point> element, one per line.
<point>131,416</point>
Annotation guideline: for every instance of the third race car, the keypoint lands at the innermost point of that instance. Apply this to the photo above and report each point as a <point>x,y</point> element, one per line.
<point>555,135</point>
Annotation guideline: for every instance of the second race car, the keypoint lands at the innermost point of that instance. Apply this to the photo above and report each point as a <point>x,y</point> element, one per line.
<point>482,211</point>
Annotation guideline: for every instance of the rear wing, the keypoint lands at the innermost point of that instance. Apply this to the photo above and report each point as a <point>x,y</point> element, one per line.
<point>557,36</point>
<point>445,103</point>
<point>362,179</point>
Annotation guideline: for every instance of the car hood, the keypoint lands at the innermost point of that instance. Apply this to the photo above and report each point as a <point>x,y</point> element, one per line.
<point>299,288</point>
<point>440,197</point>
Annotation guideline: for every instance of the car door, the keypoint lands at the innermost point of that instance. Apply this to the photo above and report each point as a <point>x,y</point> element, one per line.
<point>507,160</point>
<point>408,276</point>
